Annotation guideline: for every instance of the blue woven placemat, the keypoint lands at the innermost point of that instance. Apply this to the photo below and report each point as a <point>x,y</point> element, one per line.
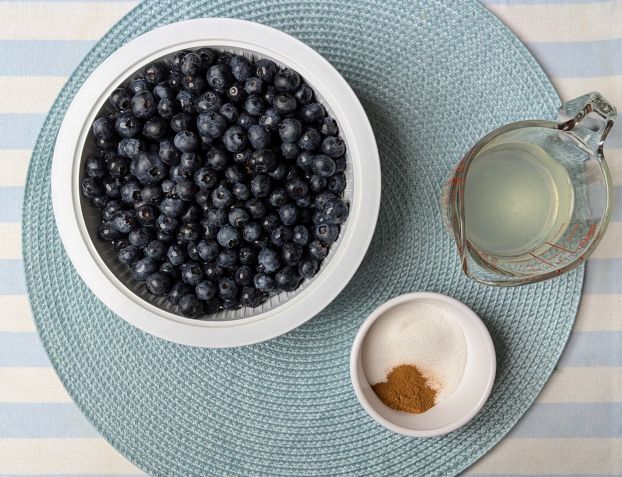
<point>434,76</point>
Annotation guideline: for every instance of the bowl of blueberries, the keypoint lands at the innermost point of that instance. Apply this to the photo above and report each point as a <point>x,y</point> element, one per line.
<point>216,182</point>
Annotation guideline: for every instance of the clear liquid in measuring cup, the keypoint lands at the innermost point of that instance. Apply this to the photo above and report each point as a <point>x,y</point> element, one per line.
<point>517,200</point>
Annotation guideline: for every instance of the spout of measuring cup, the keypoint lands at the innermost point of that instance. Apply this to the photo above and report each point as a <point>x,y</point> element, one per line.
<point>589,118</point>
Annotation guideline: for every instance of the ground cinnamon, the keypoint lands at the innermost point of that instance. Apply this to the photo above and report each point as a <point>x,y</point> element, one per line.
<point>406,389</point>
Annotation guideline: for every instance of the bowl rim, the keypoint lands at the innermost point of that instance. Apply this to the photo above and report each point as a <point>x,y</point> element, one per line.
<point>466,317</point>
<point>223,32</point>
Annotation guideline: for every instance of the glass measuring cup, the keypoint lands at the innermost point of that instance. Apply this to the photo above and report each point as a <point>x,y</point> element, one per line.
<point>531,200</point>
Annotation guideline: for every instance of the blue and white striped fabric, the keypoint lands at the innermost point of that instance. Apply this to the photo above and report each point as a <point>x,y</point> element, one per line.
<point>575,428</point>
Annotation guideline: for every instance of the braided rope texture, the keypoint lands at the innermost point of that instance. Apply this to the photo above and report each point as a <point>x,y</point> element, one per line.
<point>433,76</point>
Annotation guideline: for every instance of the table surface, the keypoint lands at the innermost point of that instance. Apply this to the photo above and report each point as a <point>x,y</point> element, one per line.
<point>575,427</point>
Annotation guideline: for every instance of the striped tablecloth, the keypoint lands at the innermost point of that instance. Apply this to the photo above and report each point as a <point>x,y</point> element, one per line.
<point>575,428</point>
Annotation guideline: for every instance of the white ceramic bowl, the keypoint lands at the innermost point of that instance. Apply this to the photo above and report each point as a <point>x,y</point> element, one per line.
<point>458,408</point>
<point>96,261</point>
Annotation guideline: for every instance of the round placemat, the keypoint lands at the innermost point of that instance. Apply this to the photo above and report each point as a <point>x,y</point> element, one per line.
<point>433,76</point>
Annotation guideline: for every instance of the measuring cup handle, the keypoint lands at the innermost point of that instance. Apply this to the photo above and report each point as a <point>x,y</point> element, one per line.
<point>589,118</point>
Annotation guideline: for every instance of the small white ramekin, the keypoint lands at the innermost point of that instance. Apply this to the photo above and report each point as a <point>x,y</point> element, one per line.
<point>463,404</point>
<point>112,283</point>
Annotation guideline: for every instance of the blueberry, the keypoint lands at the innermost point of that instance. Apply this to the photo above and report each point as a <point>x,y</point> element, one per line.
<point>256,207</point>
<point>166,224</point>
<point>229,112</point>
<point>265,69</point>
<point>208,250</point>
<point>190,306</point>
<point>131,147</point>
<point>149,168</point>
<point>263,161</point>
<point>234,175</point>
<point>335,211</point>
<point>310,140</point>
<point>143,268</point>
<point>304,160</point>
<point>241,68</point>
<point>193,84</point>
<point>289,214</point>
<point>337,183</point>
<point>254,105</point>
<point>264,282</point>
<point>270,222</point>
<point>186,141</point>
<point>117,166</point>
<point>155,129</point>
<point>164,237</point>
<point>284,103</point>
<point>172,206</point>
<point>178,290</point>
<point>121,99</point>
<point>340,164</point>
<point>228,236</point>
<point>111,209</point>
<point>190,64</point>
<point>176,174</point>
<point>270,119</point>
<point>193,254</point>
<point>95,166</point>
<point>124,221</point>
<point>280,235</point>
<point>139,84</point>
<point>182,121</point>
<point>212,271</point>
<point>140,236</point>
<point>227,259</point>
<point>209,102</point>
<point>207,55</point>
<point>174,80</point>
<point>206,290</point>
<point>219,76</point>
<point>253,85</point>
<point>259,136</point>
<point>163,92</point>
<point>279,172</point>
<point>303,94</point>
<point>127,125</point>
<point>247,255</point>
<point>158,283</point>
<point>168,153</point>
<point>270,93</point>
<point>155,73</point>
<point>100,201</point>
<point>289,150</point>
<point>291,253</point>
<point>260,185</point>
<point>333,146</point>
<point>318,250</point>
<point>185,190</point>
<point>185,101</point>
<point>235,93</point>
<point>171,270</point>
<point>217,159</point>
<point>318,183</point>
<point>222,197</point>
<point>287,80</point>
<point>211,124</point>
<point>290,130</point>
<point>296,188</point>
<point>287,279</point>
<point>241,158</point>
<point>323,166</point>
<point>107,232</point>
<point>239,217</point>
<point>146,214</point>
<point>112,189</point>
<point>301,235</point>
<point>129,255</point>
<point>246,120</point>
<point>252,231</point>
<point>102,128</point>
<point>268,260</point>
<point>191,273</point>
<point>243,276</point>
<point>312,113</point>
<point>144,105</point>
<point>206,178</point>
<point>227,289</point>
<point>308,267</point>
<point>250,297</point>
<point>326,233</point>
<point>92,187</point>
<point>203,198</point>
<point>235,139</point>
<point>216,217</point>
<point>278,197</point>
<point>189,232</point>
<point>329,127</point>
